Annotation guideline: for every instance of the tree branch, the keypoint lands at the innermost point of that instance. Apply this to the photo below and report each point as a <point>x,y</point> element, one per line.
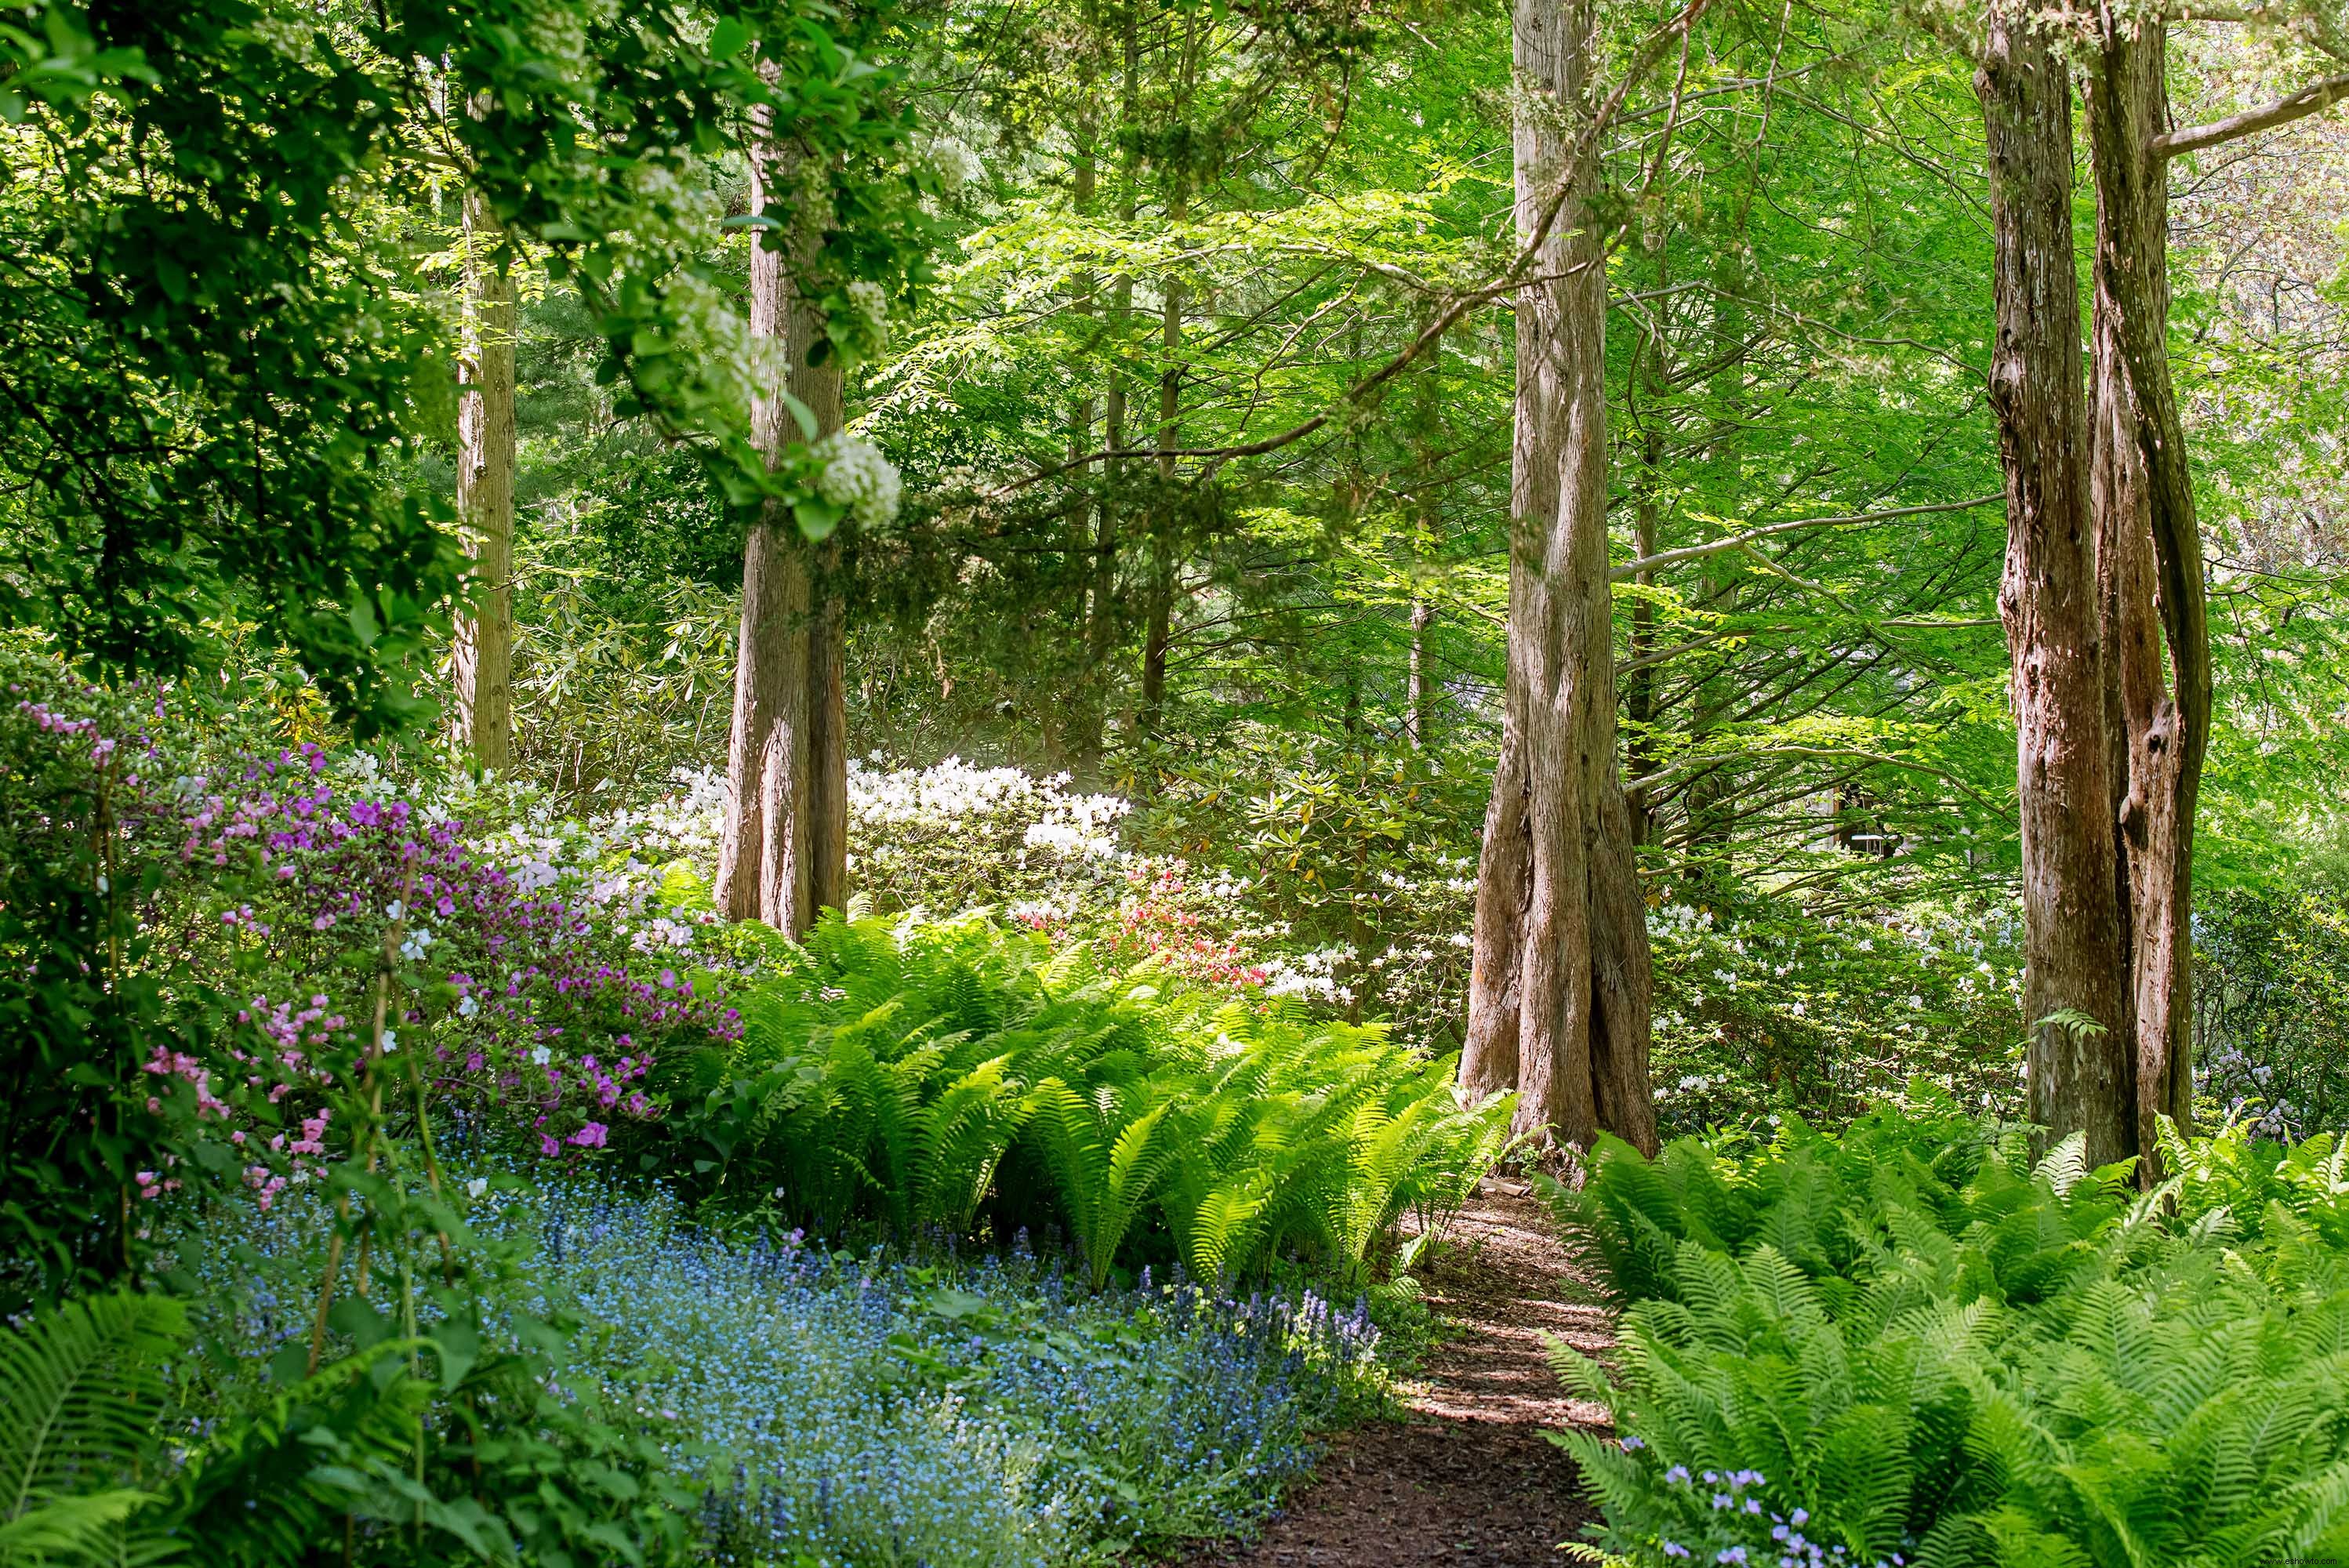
<point>1646,59</point>
<point>1738,541</point>
<point>2308,100</point>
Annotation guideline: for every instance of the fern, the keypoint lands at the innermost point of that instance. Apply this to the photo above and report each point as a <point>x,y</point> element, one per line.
<point>2000,1364</point>
<point>83,1389</point>
<point>914,1075</point>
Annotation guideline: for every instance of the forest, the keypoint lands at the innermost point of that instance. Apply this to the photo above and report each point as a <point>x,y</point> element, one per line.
<point>1042,783</point>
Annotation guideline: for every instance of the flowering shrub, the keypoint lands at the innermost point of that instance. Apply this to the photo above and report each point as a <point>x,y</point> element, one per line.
<point>85,1125</point>
<point>2272,1006</point>
<point>1769,1008</point>
<point>537,973</point>
<point>956,836</point>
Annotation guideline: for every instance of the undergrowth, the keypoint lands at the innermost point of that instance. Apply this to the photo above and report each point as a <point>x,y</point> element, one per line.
<point>1910,1344</point>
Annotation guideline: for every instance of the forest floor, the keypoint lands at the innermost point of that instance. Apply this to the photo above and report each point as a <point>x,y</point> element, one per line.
<point>1466,1476</point>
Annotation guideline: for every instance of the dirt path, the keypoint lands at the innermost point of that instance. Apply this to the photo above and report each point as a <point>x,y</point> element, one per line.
<point>1468,1477</point>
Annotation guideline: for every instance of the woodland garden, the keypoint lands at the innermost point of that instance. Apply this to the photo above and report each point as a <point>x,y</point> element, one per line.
<point>856,783</point>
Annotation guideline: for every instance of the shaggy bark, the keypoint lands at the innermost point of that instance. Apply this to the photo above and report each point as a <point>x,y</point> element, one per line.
<point>2153,611</point>
<point>2081,1070</point>
<point>783,851</point>
<point>485,497</point>
<point>1558,998</point>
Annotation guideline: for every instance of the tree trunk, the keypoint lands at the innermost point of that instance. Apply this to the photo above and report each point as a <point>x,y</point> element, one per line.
<point>1711,797</point>
<point>485,496</point>
<point>1418,705</point>
<point>2079,1060</point>
<point>1558,998</point>
<point>1640,701</point>
<point>782,853</point>
<point>2149,567</point>
<point>1419,687</point>
<point>1160,631</point>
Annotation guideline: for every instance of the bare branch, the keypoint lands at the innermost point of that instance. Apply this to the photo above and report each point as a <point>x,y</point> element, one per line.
<point>1740,540</point>
<point>2308,100</point>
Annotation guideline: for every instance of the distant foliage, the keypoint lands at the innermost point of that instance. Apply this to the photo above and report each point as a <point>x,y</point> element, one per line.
<point>1764,1008</point>
<point>2272,1006</point>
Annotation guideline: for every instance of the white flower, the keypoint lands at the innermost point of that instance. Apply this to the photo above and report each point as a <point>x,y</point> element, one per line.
<point>395,909</point>
<point>541,1055</point>
<point>953,163</point>
<point>468,1007</point>
<point>390,1042</point>
<point>857,476</point>
<point>477,1186</point>
<point>871,303</point>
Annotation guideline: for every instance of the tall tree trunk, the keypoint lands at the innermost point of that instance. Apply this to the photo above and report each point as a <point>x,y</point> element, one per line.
<point>1640,701</point>
<point>1419,688</point>
<point>1558,998</point>
<point>1711,796</point>
<point>485,495</point>
<point>821,389</point>
<point>1160,631</point>
<point>1419,704</point>
<point>2081,1067</point>
<point>2149,566</point>
<point>783,853</point>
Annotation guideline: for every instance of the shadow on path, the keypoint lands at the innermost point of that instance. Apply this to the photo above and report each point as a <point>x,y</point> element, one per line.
<point>1467,1476</point>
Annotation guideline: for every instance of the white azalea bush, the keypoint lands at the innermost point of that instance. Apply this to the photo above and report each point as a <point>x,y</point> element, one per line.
<point>1767,1009</point>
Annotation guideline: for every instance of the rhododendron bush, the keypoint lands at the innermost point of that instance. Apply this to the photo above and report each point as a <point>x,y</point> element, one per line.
<point>524,976</point>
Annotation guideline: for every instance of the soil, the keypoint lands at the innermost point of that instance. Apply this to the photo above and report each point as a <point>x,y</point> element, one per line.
<point>1468,1476</point>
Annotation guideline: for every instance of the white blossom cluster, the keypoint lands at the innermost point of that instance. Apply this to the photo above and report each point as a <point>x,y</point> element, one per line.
<point>857,476</point>
<point>953,163</point>
<point>957,835</point>
<point>1313,976</point>
<point>871,303</point>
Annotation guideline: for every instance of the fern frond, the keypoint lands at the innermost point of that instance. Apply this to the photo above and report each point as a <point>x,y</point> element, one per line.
<point>82,1386</point>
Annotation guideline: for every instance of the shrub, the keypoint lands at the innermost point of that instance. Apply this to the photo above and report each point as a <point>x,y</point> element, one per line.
<point>1905,1344</point>
<point>413,1449</point>
<point>2271,1002</point>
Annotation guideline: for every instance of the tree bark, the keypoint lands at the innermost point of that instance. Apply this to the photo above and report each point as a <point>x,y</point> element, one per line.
<point>1558,998</point>
<point>2079,1065</point>
<point>2150,567</point>
<point>1159,633</point>
<point>1640,701</point>
<point>783,851</point>
<point>485,495</point>
<point>1711,796</point>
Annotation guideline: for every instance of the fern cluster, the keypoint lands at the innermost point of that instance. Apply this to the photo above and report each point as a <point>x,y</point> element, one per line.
<point>413,1451</point>
<point>960,1078</point>
<point>1908,1344</point>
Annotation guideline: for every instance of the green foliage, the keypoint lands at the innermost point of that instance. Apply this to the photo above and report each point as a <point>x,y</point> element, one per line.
<point>83,1389</point>
<point>954,1075</point>
<point>220,387</point>
<point>2271,1003</point>
<point>82,856</point>
<point>405,1450</point>
<point>1905,1341</point>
